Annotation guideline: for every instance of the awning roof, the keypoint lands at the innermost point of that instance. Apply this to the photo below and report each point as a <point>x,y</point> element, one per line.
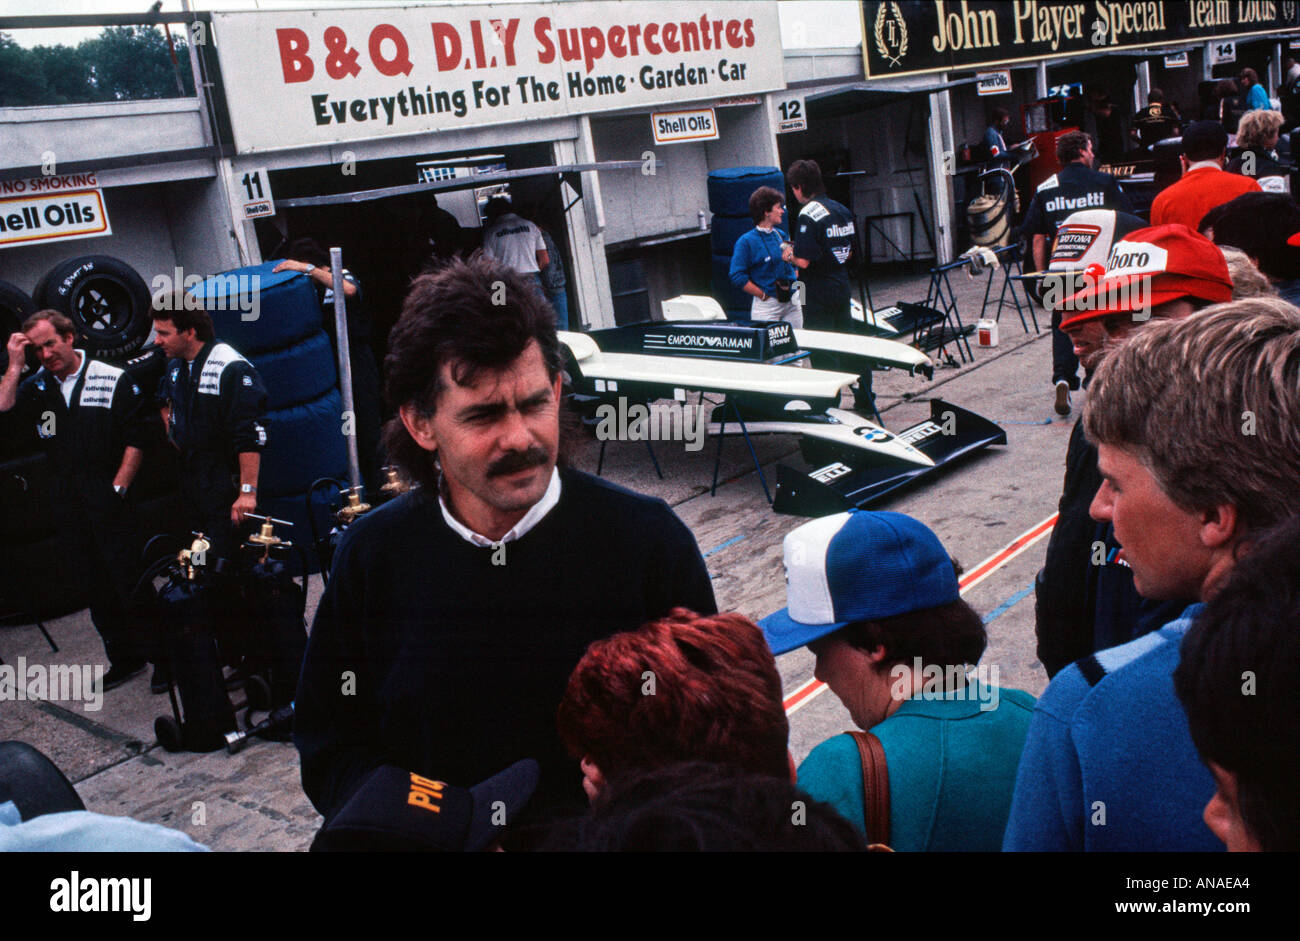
<point>457,183</point>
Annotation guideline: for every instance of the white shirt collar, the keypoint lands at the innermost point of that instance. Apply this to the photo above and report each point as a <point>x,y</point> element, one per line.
<point>1201,164</point>
<point>67,385</point>
<point>530,519</point>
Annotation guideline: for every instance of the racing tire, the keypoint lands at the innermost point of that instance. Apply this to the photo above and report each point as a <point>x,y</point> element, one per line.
<point>288,310</point>
<point>146,367</point>
<point>106,299</point>
<point>33,578</point>
<point>15,307</point>
<point>303,443</point>
<point>730,188</point>
<point>299,373</point>
<point>25,495</point>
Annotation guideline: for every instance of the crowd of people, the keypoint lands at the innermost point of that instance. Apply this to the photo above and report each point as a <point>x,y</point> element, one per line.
<point>516,654</point>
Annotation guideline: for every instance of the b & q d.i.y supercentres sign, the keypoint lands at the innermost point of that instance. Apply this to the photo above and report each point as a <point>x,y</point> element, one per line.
<point>318,77</point>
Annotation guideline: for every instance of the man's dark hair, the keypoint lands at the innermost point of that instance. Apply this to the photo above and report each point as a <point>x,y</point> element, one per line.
<point>496,206</point>
<point>1259,224</point>
<point>184,314</point>
<point>806,175</point>
<point>309,251</point>
<point>761,202</point>
<point>949,635</point>
<point>475,315</point>
<point>1248,75</point>
<point>1070,146</point>
<point>703,808</point>
<point>1226,88</point>
<point>1237,676</point>
<point>1155,95</point>
<point>997,114</point>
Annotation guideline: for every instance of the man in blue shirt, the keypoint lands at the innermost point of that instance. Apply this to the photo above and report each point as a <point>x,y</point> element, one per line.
<point>1199,452</point>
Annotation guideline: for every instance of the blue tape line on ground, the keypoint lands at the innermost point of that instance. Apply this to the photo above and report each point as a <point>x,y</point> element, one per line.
<point>729,542</point>
<point>1007,605</point>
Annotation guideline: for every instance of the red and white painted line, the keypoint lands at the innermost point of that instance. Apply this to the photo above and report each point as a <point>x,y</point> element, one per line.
<point>809,690</point>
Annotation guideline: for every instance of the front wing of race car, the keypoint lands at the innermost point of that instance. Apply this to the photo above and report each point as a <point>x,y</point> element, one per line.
<point>845,478</point>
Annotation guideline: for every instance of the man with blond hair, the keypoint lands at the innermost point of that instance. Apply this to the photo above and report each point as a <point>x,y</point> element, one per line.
<point>1257,137</point>
<point>1197,424</point>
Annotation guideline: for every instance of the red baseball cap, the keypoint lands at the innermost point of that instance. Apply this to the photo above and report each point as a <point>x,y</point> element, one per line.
<point>1150,267</point>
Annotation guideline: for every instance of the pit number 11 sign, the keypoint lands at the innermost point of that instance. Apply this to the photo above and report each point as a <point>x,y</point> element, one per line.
<point>790,113</point>
<point>254,189</point>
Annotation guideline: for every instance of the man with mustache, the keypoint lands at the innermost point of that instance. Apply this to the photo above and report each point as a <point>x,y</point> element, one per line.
<point>455,613</point>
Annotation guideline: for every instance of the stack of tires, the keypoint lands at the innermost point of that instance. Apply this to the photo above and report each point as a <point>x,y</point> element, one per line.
<point>729,192</point>
<point>274,320</point>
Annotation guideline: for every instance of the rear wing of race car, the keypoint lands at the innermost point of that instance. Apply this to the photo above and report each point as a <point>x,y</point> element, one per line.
<point>844,479</point>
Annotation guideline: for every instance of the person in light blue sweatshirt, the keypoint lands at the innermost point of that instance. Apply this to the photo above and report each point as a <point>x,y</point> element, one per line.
<point>756,264</point>
<point>1197,425</point>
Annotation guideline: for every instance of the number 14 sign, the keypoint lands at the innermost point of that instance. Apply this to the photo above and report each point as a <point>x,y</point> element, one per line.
<point>254,194</point>
<point>790,113</point>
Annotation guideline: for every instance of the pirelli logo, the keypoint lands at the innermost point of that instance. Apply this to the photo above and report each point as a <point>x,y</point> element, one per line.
<point>920,432</point>
<point>825,475</point>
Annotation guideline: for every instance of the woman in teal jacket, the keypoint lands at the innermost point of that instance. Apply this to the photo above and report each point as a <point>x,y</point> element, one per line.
<point>874,596</point>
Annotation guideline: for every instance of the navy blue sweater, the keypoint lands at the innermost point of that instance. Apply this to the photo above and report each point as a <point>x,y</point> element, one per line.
<point>426,655</point>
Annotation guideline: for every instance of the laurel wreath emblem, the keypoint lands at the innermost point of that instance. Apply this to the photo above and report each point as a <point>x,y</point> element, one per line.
<point>884,13</point>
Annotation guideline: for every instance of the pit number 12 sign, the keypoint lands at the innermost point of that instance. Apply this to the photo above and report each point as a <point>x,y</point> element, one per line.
<point>254,189</point>
<point>790,113</point>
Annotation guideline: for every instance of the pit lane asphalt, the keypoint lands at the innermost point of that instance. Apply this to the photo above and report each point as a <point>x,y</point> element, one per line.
<point>254,801</point>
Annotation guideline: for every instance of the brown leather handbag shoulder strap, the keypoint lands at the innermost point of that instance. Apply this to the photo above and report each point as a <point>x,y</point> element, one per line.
<point>875,786</point>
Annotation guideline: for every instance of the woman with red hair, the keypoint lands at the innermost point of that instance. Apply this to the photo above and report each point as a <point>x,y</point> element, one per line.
<point>687,687</point>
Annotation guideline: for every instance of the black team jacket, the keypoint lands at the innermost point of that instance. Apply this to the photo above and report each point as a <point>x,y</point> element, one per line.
<point>430,654</point>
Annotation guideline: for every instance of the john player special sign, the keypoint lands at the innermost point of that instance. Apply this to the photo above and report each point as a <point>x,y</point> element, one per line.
<point>902,37</point>
<point>326,76</point>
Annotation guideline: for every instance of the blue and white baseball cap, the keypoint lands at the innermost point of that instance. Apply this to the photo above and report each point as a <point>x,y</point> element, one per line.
<point>857,566</point>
